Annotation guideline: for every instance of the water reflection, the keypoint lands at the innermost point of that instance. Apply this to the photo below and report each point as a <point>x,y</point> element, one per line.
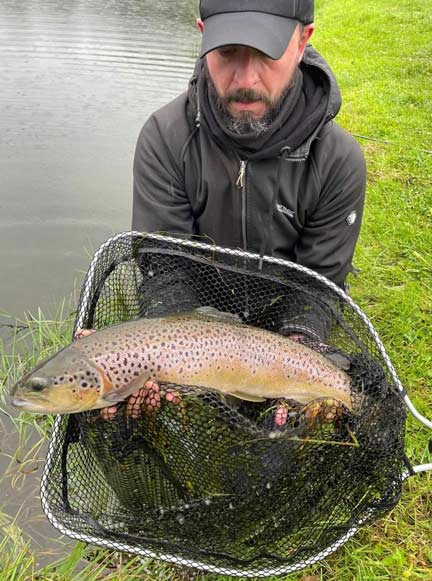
<point>78,81</point>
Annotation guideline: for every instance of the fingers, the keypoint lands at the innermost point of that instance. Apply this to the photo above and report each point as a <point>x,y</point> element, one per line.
<point>80,333</point>
<point>144,401</point>
<point>281,415</point>
<point>133,407</point>
<point>173,396</point>
<point>108,413</point>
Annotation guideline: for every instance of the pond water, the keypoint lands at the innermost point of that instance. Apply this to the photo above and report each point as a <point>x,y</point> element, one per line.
<point>78,80</point>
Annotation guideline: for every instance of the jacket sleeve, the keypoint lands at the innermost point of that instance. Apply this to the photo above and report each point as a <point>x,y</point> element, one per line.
<point>331,229</point>
<point>160,202</point>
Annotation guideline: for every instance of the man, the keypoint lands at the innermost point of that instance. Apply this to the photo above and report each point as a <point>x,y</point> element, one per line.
<point>250,155</point>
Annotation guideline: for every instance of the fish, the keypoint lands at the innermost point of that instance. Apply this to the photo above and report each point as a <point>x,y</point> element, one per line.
<point>199,349</point>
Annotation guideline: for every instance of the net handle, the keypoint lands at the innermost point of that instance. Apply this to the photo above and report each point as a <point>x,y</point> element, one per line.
<point>415,413</point>
<point>421,467</point>
<point>417,470</point>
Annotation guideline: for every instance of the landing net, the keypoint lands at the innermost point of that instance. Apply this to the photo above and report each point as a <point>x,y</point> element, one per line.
<point>214,483</point>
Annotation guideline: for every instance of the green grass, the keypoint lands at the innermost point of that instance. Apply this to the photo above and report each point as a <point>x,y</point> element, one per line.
<point>380,53</point>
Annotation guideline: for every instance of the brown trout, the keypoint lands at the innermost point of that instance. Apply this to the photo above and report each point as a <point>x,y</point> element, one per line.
<point>193,349</point>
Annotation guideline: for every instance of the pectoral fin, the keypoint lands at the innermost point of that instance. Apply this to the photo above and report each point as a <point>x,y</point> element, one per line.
<point>339,359</point>
<point>125,391</point>
<point>247,396</point>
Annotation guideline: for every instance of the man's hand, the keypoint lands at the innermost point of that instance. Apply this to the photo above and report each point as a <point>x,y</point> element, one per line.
<point>338,358</point>
<point>145,401</point>
<point>80,333</point>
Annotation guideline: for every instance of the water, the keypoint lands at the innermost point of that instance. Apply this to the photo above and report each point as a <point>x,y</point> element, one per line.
<point>78,80</point>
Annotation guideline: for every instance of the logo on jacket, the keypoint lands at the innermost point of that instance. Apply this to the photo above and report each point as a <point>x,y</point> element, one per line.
<point>284,210</point>
<point>351,218</point>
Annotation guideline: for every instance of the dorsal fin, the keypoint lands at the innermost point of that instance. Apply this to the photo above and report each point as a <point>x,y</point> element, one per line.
<point>212,313</point>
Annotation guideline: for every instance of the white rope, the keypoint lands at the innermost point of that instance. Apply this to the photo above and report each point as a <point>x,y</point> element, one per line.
<point>422,468</point>
<point>417,414</point>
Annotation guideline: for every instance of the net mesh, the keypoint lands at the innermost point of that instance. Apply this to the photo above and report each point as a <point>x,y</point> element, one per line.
<point>200,478</point>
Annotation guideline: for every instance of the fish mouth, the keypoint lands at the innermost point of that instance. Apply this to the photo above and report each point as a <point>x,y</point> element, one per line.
<point>43,405</point>
<point>35,403</point>
<point>29,406</point>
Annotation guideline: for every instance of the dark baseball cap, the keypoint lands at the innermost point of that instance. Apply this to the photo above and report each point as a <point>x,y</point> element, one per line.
<point>266,25</point>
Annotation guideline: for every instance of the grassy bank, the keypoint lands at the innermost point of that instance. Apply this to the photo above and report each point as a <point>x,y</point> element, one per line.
<point>380,53</point>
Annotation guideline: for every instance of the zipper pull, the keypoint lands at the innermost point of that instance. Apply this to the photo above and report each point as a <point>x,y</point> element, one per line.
<point>241,176</point>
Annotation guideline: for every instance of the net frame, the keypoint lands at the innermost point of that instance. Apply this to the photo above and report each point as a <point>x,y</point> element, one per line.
<point>60,421</point>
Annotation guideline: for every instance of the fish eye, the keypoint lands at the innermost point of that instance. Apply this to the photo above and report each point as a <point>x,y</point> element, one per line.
<point>38,386</point>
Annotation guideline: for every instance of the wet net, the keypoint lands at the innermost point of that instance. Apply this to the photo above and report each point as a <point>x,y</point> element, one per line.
<point>215,483</point>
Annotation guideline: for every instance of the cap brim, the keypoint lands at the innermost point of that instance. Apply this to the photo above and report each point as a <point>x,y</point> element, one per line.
<point>265,32</point>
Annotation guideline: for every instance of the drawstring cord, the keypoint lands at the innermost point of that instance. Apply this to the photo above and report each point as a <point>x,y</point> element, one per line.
<point>196,128</point>
<point>284,152</point>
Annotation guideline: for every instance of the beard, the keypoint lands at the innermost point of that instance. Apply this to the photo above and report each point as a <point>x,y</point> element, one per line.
<point>245,123</point>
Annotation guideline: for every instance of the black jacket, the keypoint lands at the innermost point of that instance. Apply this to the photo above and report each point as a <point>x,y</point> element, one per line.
<point>304,205</point>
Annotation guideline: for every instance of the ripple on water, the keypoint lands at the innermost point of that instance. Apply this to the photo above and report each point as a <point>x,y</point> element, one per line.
<point>55,55</point>
<point>78,80</point>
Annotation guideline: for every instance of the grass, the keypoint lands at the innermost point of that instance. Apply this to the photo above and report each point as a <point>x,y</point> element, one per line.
<point>380,53</point>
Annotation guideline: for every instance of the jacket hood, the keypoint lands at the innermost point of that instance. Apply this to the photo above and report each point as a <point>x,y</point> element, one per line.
<point>315,62</point>
<point>316,100</point>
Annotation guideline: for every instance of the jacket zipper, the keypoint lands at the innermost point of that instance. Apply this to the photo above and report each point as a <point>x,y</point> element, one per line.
<point>241,184</point>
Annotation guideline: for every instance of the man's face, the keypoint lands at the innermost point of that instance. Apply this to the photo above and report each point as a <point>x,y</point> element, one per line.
<point>250,84</point>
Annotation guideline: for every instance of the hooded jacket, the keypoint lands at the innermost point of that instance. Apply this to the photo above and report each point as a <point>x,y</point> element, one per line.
<point>298,196</point>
